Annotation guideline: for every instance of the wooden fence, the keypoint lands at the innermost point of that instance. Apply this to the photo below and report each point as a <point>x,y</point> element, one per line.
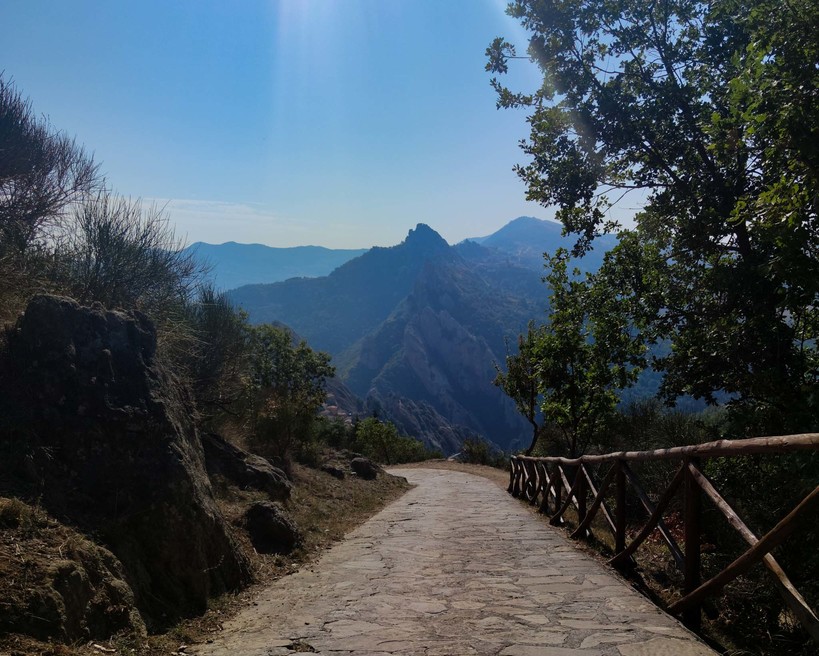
<point>551,480</point>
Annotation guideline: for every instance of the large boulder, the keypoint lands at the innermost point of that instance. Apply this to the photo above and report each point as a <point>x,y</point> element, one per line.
<point>105,436</point>
<point>244,469</point>
<point>271,529</point>
<point>365,468</point>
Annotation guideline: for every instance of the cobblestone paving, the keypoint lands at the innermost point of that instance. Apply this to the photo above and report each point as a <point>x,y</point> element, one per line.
<point>455,567</point>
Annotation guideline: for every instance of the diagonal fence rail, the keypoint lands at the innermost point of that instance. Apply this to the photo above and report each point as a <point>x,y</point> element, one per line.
<point>557,483</point>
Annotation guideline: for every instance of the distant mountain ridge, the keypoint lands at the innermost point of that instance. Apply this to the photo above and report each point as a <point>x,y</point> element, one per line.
<point>416,329</point>
<point>333,312</point>
<point>234,265</point>
<point>527,238</point>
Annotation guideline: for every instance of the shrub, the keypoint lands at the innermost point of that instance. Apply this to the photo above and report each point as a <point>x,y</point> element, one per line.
<point>380,441</point>
<point>286,388</point>
<point>218,361</point>
<point>333,432</point>
<point>480,452</point>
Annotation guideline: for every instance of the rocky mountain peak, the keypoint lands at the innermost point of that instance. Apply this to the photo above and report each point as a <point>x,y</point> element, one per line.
<point>426,239</point>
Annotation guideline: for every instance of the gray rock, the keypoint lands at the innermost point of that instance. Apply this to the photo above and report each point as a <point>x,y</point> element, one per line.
<point>244,469</point>
<point>333,471</point>
<point>365,468</point>
<point>271,529</point>
<point>109,435</point>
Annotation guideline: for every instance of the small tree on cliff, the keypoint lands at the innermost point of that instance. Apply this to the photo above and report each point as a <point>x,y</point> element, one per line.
<point>286,387</point>
<point>521,381</point>
<point>571,369</point>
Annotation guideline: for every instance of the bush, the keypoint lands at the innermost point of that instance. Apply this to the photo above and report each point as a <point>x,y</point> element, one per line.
<point>285,390</point>
<point>42,173</point>
<point>333,432</point>
<point>480,452</point>
<point>218,361</point>
<point>123,255</point>
<point>381,442</point>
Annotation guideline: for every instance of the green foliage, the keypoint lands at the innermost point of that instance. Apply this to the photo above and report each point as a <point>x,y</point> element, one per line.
<point>763,489</point>
<point>710,110</point>
<point>647,424</point>
<point>571,369</point>
<point>333,432</point>
<point>219,359</point>
<point>480,452</point>
<point>381,442</point>
<point>585,354</point>
<point>521,381</point>
<point>286,387</point>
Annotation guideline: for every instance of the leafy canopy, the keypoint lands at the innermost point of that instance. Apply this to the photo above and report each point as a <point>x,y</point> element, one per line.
<point>709,110</point>
<point>287,386</point>
<point>569,371</point>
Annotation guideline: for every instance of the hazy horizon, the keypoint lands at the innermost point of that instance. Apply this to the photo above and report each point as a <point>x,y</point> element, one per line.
<point>284,123</point>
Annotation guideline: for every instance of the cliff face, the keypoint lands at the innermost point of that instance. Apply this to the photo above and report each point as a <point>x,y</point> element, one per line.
<point>436,356</point>
<point>95,427</point>
<point>416,331</point>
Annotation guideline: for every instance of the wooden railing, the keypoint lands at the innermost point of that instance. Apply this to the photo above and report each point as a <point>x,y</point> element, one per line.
<point>562,482</point>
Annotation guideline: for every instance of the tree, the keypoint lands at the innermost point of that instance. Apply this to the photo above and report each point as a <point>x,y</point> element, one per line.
<point>521,382</point>
<point>42,172</point>
<point>219,358</point>
<point>710,110</point>
<point>583,356</point>
<point>287,387</point>
<point>121,254</point>
<point>380,441</point>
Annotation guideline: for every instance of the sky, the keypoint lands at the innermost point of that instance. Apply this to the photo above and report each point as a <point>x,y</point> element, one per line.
<point>339,123</point>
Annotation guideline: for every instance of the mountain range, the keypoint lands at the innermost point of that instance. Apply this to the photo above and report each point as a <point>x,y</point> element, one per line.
<point>416,329</point>
<point>233,265</point>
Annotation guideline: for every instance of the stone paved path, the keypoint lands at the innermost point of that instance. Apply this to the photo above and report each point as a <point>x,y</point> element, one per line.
<point>455,567</point>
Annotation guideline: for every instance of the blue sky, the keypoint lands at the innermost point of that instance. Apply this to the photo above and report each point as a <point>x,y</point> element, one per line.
<point>339,123</point>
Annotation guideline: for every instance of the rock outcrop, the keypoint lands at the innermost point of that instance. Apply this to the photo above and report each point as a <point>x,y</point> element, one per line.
<point>365,468</point>
<point>246,470</point>
<point>106,438</point>
<point>271,529</point>
<point>56,584</point>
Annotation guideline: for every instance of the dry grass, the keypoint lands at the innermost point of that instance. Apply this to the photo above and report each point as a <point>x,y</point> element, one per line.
<point>31,543</point>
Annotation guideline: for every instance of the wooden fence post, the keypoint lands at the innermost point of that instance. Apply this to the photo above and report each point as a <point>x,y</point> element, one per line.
<point>693,533</point>
<point>558,487</point>
<point>547,486</point>
<point>620,511</point>
<point>581,495</point>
